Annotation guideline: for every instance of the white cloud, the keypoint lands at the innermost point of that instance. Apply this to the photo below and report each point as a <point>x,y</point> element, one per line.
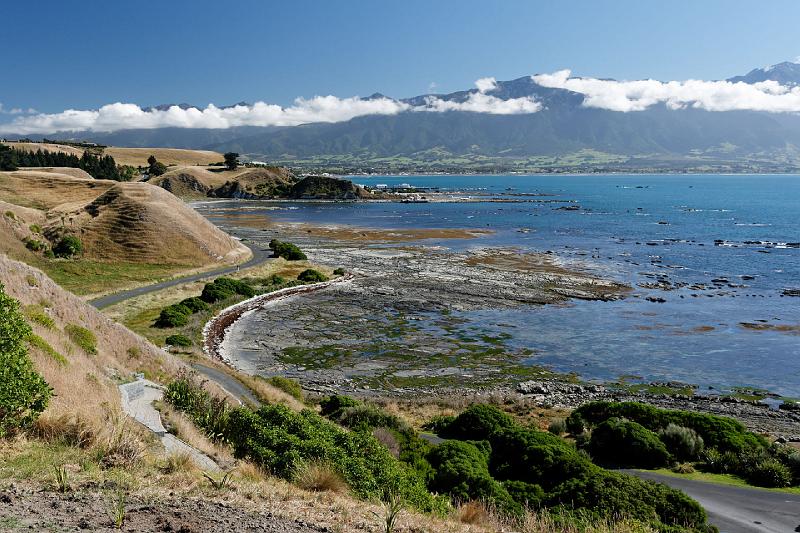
<point>432,86</point>
<point>483,103</point>
<point>638,95</point>
<point>485,85</point>
<point>113,117</point>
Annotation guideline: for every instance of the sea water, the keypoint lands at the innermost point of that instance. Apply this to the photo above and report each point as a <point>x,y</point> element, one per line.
<point>730,243</point>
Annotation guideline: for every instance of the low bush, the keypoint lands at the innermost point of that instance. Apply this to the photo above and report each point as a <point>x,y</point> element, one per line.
<point>35,228</point>
<point>625,444</point>
<point>439,424</point>
<point>332,406</point>
<point>68,246</point>
<point>283,442</point>
<point>683,443</point>
<point>35,245</point>
<point>368,417</point>
<point>178,340</point>
<point>37,314</point>
<point>557,427</point>
<point>311,276</point>
<point>195,304</point>
<point>24,394</point>
<point>289,386</point>
<point>287,250</point>
<point>224,288</point>
<point>716,431</point>
<point>173,316</point>
<point>461,470</point>
<point>477,422</point>
<point>606,494</point>
<point>339,271</point>
<point>82,337</point>
<point>37,342</point>
<point>768,472</point>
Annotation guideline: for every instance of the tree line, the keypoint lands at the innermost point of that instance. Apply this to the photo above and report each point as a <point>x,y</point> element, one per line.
<point>98,166</point>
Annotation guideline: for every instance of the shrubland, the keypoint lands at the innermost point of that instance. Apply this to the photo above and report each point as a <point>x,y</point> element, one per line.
<point>642,436</point>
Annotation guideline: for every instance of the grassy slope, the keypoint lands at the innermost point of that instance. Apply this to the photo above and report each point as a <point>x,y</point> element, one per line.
<point>135,234</point>
<point>134,156</point>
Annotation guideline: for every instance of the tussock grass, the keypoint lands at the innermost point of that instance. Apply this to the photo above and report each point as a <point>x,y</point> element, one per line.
<point>321,477</point>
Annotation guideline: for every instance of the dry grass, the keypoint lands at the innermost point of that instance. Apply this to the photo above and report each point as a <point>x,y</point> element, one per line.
<point>141,223</point>
<point>320,477</point>
<point>184,429</point>
<point>133,156</point>
<point>178,462</point>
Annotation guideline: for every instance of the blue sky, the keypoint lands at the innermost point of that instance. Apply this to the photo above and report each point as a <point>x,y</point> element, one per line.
<point>82,55</point>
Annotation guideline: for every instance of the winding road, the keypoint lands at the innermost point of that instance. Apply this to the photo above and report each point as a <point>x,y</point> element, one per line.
<point>738,509</point>
<point>259,256</point>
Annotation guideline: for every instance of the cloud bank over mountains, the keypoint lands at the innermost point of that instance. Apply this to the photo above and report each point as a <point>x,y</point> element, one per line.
<point>621,96</point>
<point>626,96</point>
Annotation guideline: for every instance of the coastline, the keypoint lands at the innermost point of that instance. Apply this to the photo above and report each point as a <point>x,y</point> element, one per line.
<point>380,268</point>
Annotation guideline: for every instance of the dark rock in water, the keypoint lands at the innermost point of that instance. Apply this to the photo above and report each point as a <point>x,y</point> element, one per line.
<point>655,299</point>
<point>568,208</point>
<point>790,292</point>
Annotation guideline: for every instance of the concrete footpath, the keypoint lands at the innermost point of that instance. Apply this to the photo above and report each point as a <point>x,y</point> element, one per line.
<point>137,402</point>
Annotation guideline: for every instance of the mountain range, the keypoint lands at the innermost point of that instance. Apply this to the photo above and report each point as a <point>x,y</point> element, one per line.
<point>564,135</point>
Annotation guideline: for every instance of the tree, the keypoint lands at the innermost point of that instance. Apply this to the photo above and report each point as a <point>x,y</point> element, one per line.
<point>23,392</point>
<point>231,160</point>
<point>68,246</point>
<point>157,168</point>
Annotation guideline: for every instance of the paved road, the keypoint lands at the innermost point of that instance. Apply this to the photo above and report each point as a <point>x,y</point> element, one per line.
<point>738,509</point>
<point>232,385</point>
<point>259,256</point>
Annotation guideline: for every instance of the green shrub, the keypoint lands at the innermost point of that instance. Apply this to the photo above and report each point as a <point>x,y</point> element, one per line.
<point>310,275</point>
<point>622,443</point>
<point>173,316</point>
<point>68,246</point>
<point>287,250</point>
<point>439,424</point>
<point>683,443</point>
<point>289,386</point>
<point>224,288</point>
<point>82,337</point>
<point>477,422</point>
<point>339,271</point>
<point>461,470</point>
<point>37,314</point>
<point>612,494</point>
<point>332,406</point>
<point>716,431</point>
<point>236,286</point>
<point>282,442</point>
<point>529,495</point>
<point>367,418</point>
<point>209,413</point>
<point>195,304</point>
<point>536,457</point>
<point>35,228</point>
<point>557,427</point>
<point>24,394</point>
<point>38,342</point>
<point>35,245</point>
<point>213,293</point>
<point>178,340</point>
<point>11,215</point>
<point>768,473</point>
